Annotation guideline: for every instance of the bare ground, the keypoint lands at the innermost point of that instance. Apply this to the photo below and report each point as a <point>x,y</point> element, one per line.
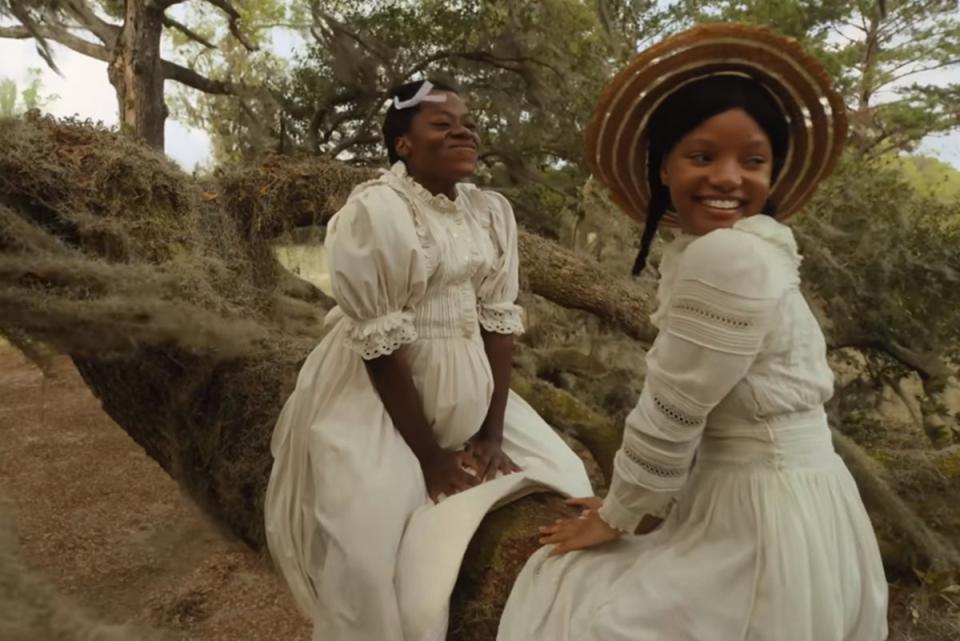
<point>111,529</point>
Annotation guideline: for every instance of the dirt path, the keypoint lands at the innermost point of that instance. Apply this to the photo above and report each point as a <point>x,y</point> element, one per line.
<point>110,529</point>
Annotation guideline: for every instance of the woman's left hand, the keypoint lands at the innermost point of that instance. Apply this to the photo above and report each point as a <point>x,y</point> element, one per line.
<point>489,458</point>
<point>585,531</point>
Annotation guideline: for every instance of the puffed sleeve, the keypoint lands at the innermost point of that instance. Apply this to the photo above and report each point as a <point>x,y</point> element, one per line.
<point>377,270</point>
<point>720,311</point>
<point>497,308</point>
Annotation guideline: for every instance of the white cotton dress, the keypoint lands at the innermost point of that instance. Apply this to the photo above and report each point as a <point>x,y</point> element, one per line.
<point>766,537</point>
<point>349,522</point>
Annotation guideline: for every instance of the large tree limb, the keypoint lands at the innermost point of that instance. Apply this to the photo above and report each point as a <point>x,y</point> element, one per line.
<point>362,130</point>
<point>941,557</point>
<point>187,31</point>
<point>334,26</point>
<point>934,417</point>
<point>106,32</point>
<point>574,281</point>
<point>234,23</point>
<point>61,36</point>
<point>191,78</point>
<point>25,14</point>
<point>928,365</point>
<point>163,5</point>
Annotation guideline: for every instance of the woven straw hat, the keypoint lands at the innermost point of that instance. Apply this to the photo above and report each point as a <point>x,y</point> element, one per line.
<point>617,140</point>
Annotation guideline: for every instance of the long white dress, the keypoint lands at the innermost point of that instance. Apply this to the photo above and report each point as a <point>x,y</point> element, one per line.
<point>766,537</point>
<point>349,522</point>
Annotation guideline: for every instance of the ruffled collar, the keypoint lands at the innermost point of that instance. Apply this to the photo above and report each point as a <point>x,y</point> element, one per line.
<point>772,231</point>
<point>398,176</point>
<point>766,227</point>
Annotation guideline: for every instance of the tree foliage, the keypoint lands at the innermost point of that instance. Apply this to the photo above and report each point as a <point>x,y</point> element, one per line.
<point>530,70</point>
<point>14,100</point>
<point>881,260</point>
<point>928,175</point>
<point>127,36</point>
<point>884,57</point>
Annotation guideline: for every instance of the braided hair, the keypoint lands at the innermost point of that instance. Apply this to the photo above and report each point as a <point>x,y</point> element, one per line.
<point>685,110</point>
<point>397,122</point>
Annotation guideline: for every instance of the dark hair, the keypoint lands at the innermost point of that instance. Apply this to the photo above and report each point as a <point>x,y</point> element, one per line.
<point>397,121</point>
<point>682,112</point>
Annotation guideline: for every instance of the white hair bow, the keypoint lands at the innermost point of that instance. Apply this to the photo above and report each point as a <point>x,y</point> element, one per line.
<point>422,95</point>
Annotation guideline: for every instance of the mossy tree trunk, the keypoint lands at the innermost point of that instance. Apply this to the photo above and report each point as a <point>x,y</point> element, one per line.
<point>165,292</point>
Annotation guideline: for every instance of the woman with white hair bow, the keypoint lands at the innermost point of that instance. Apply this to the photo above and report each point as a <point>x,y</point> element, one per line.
<point>402,432</point>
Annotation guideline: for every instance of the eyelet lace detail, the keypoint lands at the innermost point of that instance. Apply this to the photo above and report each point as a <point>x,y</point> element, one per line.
<point>734,322</point>
<point>675,414</point>
<point>657,470</point>
<point>376,346</point>
<point>381,336</point>
<point>504,319</point>
<point>721,321</point>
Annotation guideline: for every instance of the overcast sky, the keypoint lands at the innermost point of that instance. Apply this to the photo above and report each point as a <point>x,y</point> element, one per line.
<point>84,90</point>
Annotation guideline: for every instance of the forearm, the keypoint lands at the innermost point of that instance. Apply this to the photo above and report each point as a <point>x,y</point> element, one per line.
<point>393,381</point>
<point>499,349</point>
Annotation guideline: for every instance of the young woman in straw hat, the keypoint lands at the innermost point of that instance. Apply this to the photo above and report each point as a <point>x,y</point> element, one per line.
<point>724,130</point>
<point>406,400</point>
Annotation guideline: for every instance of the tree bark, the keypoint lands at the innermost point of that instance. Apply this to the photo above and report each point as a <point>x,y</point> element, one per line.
<point>576,281</point>
<point>862,118</point>
<point>137,74</point>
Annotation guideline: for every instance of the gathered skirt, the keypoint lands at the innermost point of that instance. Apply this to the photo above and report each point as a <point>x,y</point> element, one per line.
<point>350,526</point>
<point>756,548</point>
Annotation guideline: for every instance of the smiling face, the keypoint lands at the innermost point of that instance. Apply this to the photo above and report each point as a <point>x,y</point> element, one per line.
<point>719,172</point>
<point>441,146</point>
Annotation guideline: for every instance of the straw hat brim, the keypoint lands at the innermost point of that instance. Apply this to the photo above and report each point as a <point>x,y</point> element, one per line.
<point>616,139</point>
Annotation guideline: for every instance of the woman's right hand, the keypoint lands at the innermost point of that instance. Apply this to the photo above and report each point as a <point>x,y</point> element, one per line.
<point>446,474</point>
<point>580,533</point>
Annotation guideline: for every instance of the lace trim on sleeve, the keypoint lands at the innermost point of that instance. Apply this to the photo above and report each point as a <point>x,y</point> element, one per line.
<point>623,511</point>
<point>501,318</point>
<point>381,336</point>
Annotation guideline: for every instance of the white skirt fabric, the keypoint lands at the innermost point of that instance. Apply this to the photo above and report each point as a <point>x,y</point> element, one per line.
<point>759,547</point>
<point>349,522</point>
